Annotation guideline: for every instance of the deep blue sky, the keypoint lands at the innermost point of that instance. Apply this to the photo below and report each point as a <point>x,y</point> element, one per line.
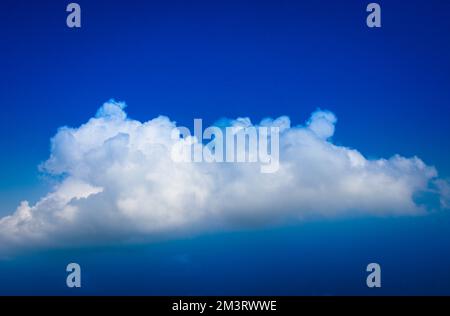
<point>389,88</point>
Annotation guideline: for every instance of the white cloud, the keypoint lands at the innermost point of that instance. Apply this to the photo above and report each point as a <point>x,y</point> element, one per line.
<point>120,184</point>
<point>443,187</point>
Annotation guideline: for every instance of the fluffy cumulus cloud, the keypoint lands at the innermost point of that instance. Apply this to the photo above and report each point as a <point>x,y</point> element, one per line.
<point>118,184</point>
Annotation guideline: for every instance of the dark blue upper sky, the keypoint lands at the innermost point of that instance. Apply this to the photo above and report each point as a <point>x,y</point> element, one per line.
<point>389,87</point>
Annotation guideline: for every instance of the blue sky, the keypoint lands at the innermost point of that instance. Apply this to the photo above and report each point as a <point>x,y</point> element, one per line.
<point>389,88</point>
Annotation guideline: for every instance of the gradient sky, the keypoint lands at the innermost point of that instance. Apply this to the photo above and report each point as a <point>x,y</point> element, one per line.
<point>389,88</point>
